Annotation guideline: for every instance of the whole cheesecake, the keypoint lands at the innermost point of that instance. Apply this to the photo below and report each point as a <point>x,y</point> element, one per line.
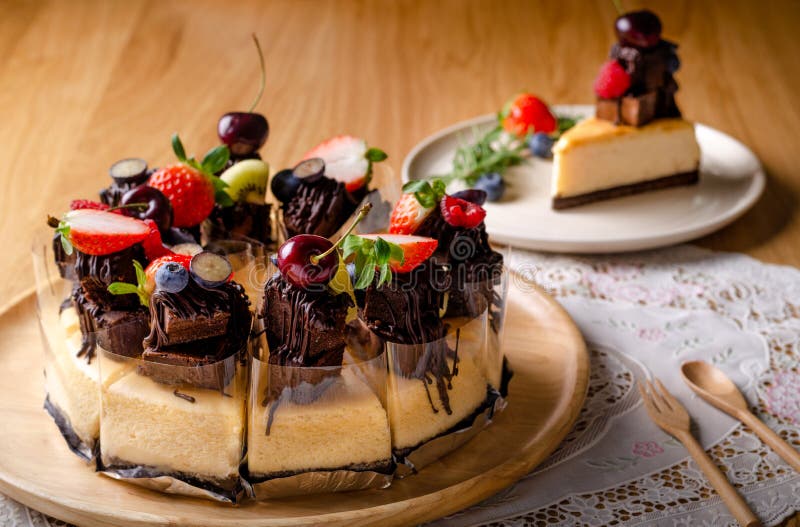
<point>597,159</point>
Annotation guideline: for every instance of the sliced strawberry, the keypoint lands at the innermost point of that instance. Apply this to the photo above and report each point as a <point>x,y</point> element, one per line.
<point>79,204</point>
<point>99,232</point>
<point>188,190</point>
<point>153,246</point>
<point>150,271</point>
<point>416,249</point>
<point>345,159</point>
<point>461,213</point>
<point>407,215</point>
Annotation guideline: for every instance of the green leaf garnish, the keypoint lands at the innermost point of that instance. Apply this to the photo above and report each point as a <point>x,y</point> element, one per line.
<point>215,159</point>
<point>223,198</point>
<point>177,147</point>
<point>428,193</point>
<point>371,255</point>
<point>123,288</point>
<point>62,228</point>
<point>376,155</point>
<point>486,154</point>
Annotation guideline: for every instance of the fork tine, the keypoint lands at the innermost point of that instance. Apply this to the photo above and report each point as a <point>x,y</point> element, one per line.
<point>647,399</point>
<point>659,401</point>
<point>668,397</point>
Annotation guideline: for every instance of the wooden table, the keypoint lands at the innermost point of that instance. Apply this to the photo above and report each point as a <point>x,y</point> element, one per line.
<point>83,84</point>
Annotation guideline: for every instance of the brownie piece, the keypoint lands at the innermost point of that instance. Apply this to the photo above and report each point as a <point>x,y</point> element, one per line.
<point>320,207</point>
<point>96,273</point>
<point>303,329</point>
<point>199,363</point>
<point>120,331</point>
<point>251,220</point>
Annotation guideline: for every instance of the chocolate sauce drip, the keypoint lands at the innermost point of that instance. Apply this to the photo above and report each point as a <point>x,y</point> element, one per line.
<point>65,262</point>
<point>320,207</point>
<point>96,273</point>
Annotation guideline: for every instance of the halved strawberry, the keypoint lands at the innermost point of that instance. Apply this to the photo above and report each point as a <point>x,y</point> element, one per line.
<point>461,213</point>
<point>79,204</point>
<point>153,246</point>
<point>347,159</point>
<point>416,249</point>
<point>150,271</point>
<point>99,232</point>
<point>407,215</point>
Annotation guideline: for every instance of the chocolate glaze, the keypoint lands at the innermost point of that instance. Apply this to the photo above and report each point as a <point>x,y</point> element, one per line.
<point>65,262</point>
<point>95,273</point>
<point>241,219</point>
<point>320,207</point>
<point>119,331</point>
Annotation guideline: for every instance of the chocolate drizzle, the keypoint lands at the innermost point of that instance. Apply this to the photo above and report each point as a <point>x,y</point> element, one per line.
<point>95,273</point>
<point>241,219</point>
<point>119,331</point>
<point>320,207</point>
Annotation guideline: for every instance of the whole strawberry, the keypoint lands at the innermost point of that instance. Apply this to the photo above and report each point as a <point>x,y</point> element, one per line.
<point>527,114</point>
<point>191,186</point>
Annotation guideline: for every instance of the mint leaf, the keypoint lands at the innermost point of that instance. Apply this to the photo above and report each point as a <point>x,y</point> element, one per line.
<point>382,251</point>
<point>141,278</point>
<point>215,159</point>
<point>352,244</point>
<point>122,288</point>
<point>366,274</point>
<point>66,245</point>
<point>376,155</point>
<point>177,147</point>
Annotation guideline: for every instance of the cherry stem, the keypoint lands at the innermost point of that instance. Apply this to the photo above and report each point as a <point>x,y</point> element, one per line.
<point>263,74</point>
<point>361,214</point>
<point>128,206</point>
<point>618,5</point>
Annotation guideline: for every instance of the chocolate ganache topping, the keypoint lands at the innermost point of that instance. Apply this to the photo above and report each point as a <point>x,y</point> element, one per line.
<point>320,207</point>
<point>119,331</point>
<point>96,273</point>
<point>243,219</point>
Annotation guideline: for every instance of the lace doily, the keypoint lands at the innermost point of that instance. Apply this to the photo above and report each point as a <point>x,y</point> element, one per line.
<point>642,315</point>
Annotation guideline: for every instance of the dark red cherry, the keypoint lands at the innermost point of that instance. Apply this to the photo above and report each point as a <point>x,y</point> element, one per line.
<point>243,132</point>
<point>294,260</point>
<point>641,29</point>
<point>155,206</point>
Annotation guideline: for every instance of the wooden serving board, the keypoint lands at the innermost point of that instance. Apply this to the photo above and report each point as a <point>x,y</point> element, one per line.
<point>551,371</point>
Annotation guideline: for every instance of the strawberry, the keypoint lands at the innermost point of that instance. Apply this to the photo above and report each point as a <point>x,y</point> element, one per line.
<point>612,81</point>
<point>98,232</point>
<point>150,271</point>
<point>153,246</point>
<point>416,249</point>
<point>189,190</point>
<point>461,213</point>
<point>79,204</point>
<point>408,215</point>
<point>527,114</point>
<point>347,160</point>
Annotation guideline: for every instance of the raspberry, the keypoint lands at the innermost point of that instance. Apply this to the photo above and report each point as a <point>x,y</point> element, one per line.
<point>612,81</point>
<point>461,213</point>
<point>78,204</point>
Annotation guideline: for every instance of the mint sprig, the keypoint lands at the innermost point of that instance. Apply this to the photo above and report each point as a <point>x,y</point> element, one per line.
<point>124,288</point>
<point>487,154</point>
<point>62,228</point>
<point>428,193</point>
<point>371,256</point>
<point>214,161</point>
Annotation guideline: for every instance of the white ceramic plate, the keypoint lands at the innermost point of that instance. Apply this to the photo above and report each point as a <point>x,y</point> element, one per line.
<point>731,181</point>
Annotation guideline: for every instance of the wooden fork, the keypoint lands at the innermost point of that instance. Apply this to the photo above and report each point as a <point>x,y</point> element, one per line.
<point>673,418</point>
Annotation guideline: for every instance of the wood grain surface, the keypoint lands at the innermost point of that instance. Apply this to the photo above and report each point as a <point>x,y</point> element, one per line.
<point>84,83</point>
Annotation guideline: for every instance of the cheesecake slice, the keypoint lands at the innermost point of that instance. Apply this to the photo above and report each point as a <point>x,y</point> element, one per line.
<point>598,160</point>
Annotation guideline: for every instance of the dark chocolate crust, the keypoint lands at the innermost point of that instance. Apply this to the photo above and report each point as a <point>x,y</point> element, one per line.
<point>78,447</point>
<point>675,180</point>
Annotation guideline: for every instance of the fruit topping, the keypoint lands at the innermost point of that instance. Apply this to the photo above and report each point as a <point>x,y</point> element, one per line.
<point>295,260</point>
<point>309,170</point>
<point>347,160</point>
<point>147,203</point>
<point>98,232</point>
<point>78,204</point>
<point>308,260</point>
<point>417,202</point>
<point>541,145</point>
<point>415,250</point>
<point>172,277</point>
<point>189,249</point>
<point>152,268</point>
<point>493,184</point>
<point>153,245</point>
<point>641,29</point>
<point>284,185</point>
<point>527,114</point>
<point>247,181</point>
<point>245,132</point>
<point>131,171</point>
<point>189,191</point>
<point>472,195</point>
<point>461,213</point>
<point>612,81</point>
<point>210,269</point>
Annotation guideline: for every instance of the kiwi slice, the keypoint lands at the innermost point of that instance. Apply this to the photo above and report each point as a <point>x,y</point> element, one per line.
<point>247,180</point>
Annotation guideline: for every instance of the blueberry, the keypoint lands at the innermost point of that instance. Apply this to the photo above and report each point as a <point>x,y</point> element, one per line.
<point>492,183</point>
<point>541,145</point>
<point>172,277</point>
<point>284,185</point>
